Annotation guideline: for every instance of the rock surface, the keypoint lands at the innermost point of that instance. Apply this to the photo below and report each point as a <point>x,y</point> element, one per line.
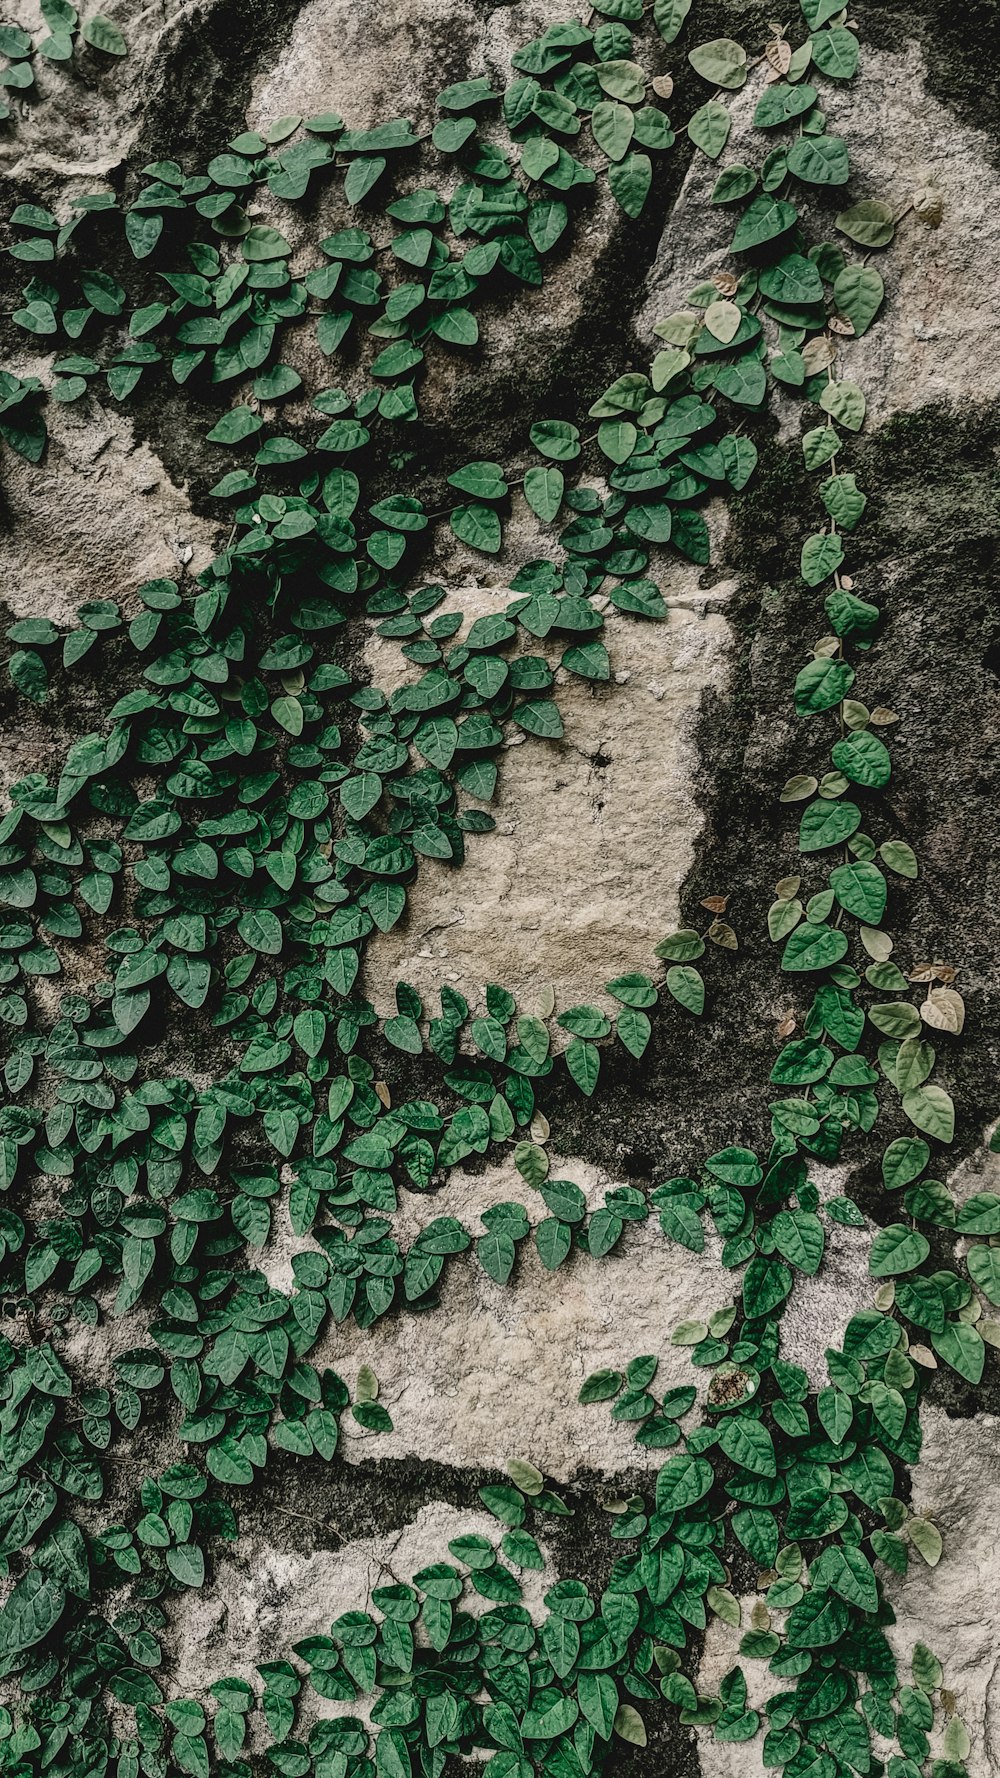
<point>99,513</point>
<point>495,1372</point>
<point>265,1597</point>
<point>939,339</point>
<point>595,833</point>
<point>953,1607</point>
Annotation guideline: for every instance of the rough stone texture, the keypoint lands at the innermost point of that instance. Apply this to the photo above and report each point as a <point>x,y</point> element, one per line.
<point>820,1307</point>
<point>370,61</point>
<point>83,117</point>
<point>264,1596</point>
<point>953,1607</point>
<point>495,1372</point>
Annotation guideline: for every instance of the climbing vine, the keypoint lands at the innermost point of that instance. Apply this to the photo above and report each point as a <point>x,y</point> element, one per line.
<point>254,811</point>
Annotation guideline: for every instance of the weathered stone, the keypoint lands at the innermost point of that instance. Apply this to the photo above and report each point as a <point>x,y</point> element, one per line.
<point>265,1597</point>
<point>82,117</point>
<point>953,1607</point>
<point>938,339</point>
<point>819,1308</point>
<point>664,784</point>
<point>595,833</point>
<point>94,519</point>
<point>495,1371</point>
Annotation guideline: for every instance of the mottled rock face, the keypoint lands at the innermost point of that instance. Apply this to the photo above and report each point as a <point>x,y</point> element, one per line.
<point>594,838</point>
<point>661,793</point>
<point>371,62</point>
<point>249,1612</point>
<point>496,1373</point>
<point>950,1606</point>
<point>101,500</point>
<point>938,344</point>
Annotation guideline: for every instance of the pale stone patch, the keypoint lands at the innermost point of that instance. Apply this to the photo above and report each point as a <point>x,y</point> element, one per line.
<point>372,61</point>
<point>595,833</point>
<point>954,1607</point>
<point>818,1310</point>
<point>494,1372</point>
<point>80,130</point>
<point>937,339</point>
<point>93,520</point>
<point>264,1597</point>
<point>719,1654</point>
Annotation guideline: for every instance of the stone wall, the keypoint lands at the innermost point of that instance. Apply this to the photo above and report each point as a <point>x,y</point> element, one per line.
<point>662,791</point>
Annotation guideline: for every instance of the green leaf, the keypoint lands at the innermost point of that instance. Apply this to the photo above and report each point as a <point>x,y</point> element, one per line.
<point>733,183</point>
<point>846,1571</point>
<point>766,1283</point>
<point>813,947</point>
<point>836,52</point>
<point>899,857</point>
<point>601,1386</point>
<point>682,1481</point>
<point>858,293</point>
<point>613,126</point>
<point>682,946</point>
<point>826,824</point>
<point>897,1249</point>
<point>927,1671</point>
<point>846,402</point>
<point>931,1109</point>
<point>836,1412</point>
<point>980,1214</point>
<point>962,1348</point>
<point>764,220</point>
<point>799,1238</point>
<point>634,1030</point>
<point>584,1063</point>
<point>261,930</point>
<point>186,1563</point>
<point>863,759</point>
<point>102,34</point>
<point>819,160</point>
<point>817,1622</point>
<point>819,446</point>
<point>687,988</point>
<point>669,16</point>
<point>556,439</point>
<point>32,1610</point>
<point>984,1270</point>
<point>543,490</point>
<point>843,500</point>
<point>709,128</point>
<point>870,223</point>
<point>749,1444</point>
<point>822,554</point>
<point>532,1163</point>
<point>904,1160</point>
<point>539,717</point>
<point>629,1725</point>
<point>822,684</point>
<point>860,889</point>
<point>780,104</point>
<point>496,1253</point>
<point>479,526</point>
